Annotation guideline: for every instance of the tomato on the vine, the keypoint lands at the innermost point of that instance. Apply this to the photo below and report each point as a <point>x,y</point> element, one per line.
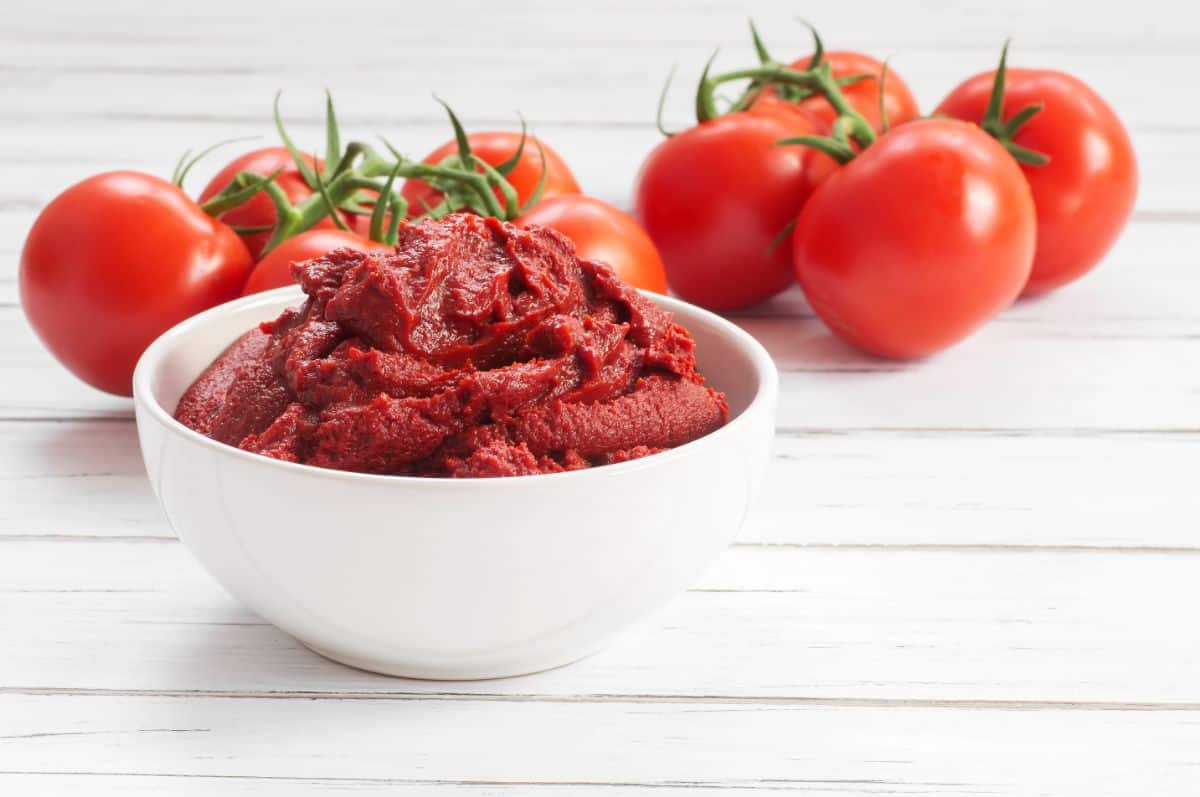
<point>494,148</point>
<point>717,200</point>
<point>1084,194</point>
<point>116,260</point>
<point>863,96</point>
<point>259,210</point>
<point>275,269</point>
<point>604,233</point>
<point>923,236</point>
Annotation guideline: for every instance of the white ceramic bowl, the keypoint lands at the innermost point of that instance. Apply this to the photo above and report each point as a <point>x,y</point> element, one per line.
<point>443,578</point>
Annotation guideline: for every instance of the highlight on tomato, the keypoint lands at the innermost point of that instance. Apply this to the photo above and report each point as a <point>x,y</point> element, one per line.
<point>116,260</point>
<point>1074,152</point>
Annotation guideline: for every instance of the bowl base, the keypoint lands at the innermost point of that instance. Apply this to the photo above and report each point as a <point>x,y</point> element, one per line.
<point>462,672</point>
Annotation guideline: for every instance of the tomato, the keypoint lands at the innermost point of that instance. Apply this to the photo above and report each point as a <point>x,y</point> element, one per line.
<point>899,102</point>
<point>716,198</point>
<point>259,210</point>
<point>918,240</point>
<point>604,233</point>
<point>275,269</point>
<point>495,148</point>
<point>116,260</point>
<point>1084,195</point>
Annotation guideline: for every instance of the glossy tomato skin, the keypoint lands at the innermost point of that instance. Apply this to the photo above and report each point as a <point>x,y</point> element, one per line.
<point>494,148</point>
<point>275,269</point>
<point>604,233</point>
<point>899,102</point>
<point>259,211</point>
<point>715,199</point>
<point>925,235</point>
<point>1085,194</point>
<point>116,260</point>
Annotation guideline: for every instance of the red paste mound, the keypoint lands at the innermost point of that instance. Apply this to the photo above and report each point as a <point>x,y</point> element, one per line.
<point>476,349</point>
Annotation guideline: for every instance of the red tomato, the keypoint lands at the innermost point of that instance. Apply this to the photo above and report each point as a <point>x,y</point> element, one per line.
<point>604,233</point>
<point>715,199</point>
<point>495,148</point>
<point>1085,194</point>
<point>863,96</point>
<point>259,211</point>
<point>921,238</point>
<point>116,260</point>
<point>275,269</point>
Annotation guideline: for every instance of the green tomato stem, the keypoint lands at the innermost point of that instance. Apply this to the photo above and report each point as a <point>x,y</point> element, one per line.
<point>993,118</point>
<point>241,188</point>
<point>819,79</point>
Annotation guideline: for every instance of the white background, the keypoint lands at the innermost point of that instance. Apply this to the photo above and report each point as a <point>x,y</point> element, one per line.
<point>973,575</point>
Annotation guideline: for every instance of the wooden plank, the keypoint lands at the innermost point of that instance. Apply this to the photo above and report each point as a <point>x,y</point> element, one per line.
<point>195,83</point>
<point>874,488</point>
<point>917,488</point>
<point>865,750</point>
<point>767,624</point>
<point>70,478</point>
<point>1074,23</point>
<point>1004,378</point>
<point>207,64</point>
<point>104,785</point>
<point>36,386</point>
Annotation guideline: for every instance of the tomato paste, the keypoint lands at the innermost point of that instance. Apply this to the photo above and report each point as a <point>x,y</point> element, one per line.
<point>474,349</point>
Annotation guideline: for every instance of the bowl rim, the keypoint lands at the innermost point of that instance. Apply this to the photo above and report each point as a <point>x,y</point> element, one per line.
<point>154,355</point>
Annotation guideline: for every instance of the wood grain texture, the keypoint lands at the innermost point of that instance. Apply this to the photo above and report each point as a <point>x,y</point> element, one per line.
<point>768,625</point>
<point>928,750</point>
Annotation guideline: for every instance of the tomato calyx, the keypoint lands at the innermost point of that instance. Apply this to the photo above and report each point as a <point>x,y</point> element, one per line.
<point>468,182</point>
<point>993,122</point>
<point>356,180</point>
<point>850,129</point>
<point>838,144</point>
<point>788,84</point>
<point>785,91</point>
<point>244,186</point>
<point>792,85</point>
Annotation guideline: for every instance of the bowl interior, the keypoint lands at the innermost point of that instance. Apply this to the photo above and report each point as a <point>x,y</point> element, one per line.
<point>729,359</point>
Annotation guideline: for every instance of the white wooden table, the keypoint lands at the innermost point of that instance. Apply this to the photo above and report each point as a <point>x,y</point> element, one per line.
<point>974,575</point>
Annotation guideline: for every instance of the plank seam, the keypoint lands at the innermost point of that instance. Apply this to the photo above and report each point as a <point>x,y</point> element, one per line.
<point>771,784</point>
<point>901,547</point>
<point>796,701</point>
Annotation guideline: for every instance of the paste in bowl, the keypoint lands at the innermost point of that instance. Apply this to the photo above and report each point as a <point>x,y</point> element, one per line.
<point>474,349</point>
